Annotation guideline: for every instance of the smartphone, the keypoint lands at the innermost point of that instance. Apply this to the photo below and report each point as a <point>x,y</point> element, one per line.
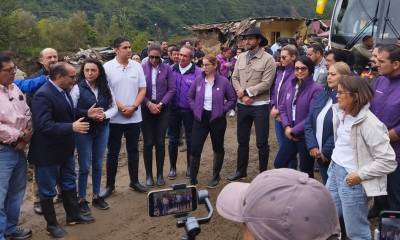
<point>389,225</point>
<point>168,201</point>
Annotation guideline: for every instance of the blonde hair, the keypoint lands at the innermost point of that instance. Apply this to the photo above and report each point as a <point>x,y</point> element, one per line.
<point>342,68</point>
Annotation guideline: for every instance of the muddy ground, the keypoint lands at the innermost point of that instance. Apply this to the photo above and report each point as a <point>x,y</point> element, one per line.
<point>127,217</point>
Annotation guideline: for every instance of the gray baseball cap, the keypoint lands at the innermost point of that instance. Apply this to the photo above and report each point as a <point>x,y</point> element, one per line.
<point>281,204</point>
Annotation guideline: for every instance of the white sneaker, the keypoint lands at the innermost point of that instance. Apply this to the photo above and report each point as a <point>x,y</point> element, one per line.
<point>232,113</point>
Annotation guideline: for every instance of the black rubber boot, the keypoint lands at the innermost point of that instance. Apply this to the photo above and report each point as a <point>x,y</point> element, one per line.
<point>217,166</point>
<point>148,164</point>
<point>53,228</point>
<point>194,169</point>
<point>160,167</point>
<point>173,156</point>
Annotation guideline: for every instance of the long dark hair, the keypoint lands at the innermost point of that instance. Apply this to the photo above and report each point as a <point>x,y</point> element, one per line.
<point>101,81</point>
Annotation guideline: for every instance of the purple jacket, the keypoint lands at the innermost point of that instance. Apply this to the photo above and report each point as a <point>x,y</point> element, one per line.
<point>308,91</point>
<point>222,90</point>
<point>276,93</point>
<point>386,105</point>
<point>183,83</point>
<point>165,83</point>
<point>223,70</point>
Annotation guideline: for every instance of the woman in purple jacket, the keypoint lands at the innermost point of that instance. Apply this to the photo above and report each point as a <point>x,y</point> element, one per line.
<point>155,112</point>
<point>210,97</point>
<point>298,96</point>
<point>284,74</point>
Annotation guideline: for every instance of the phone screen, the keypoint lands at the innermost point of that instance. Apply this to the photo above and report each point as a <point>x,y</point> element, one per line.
<point>167,202</point>
<point>390,227</point>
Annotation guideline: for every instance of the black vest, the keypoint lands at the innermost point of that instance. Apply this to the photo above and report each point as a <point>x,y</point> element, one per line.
<point>86,100</point>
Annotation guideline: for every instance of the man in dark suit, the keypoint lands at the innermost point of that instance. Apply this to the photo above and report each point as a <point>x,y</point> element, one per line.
<point>52,147</point>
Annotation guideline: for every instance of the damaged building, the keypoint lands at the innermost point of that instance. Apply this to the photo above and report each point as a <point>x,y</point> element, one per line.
<point>214,35</point>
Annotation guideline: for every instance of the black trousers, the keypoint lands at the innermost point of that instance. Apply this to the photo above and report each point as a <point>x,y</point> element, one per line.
<point>246,115</point>
<point>131,132</point>
<point>200,131</point>
<point>154,127</point>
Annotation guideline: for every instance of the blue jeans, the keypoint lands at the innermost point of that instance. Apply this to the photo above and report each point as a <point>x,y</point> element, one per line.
<point>287,154</point>
<point>131,132</point>
<point>351,203</point>
<point>280,136</point>
<point>47,177</point>
<point>12,187</point>
<point>91,148</point>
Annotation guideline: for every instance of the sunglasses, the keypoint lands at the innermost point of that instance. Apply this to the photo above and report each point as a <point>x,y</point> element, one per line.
<point>154,57</point>
<point>300,69</point>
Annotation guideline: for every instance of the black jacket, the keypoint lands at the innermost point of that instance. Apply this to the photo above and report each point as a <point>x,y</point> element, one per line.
<point>53,139</point>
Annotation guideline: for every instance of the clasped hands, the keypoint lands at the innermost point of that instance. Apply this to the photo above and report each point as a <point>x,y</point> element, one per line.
<point>245,99</point>
<point>154,108</point>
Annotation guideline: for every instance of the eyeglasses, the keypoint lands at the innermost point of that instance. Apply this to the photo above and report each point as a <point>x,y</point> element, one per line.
<point>206,65</point>
<point>154,57</point>
<point>283,57</point>
<point>339,93</point>
<point>300,69</point>
<point>10,70</point>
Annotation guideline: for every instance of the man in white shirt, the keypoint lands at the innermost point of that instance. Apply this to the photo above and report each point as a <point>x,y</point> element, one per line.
<point>316,53</point>
<point>128,83</point>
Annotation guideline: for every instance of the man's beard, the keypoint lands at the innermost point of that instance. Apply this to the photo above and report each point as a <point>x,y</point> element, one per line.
<point>251,47</point>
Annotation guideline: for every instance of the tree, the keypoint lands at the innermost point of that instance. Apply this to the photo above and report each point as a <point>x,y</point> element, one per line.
<point>114,30</point>
<point>100,27</point>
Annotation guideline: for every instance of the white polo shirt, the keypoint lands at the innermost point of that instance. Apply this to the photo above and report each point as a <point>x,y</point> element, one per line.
<point>125,83</point>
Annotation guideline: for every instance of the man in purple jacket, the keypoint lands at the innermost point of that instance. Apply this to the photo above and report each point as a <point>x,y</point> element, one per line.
<point>386,106</point>
<point>184,73</point>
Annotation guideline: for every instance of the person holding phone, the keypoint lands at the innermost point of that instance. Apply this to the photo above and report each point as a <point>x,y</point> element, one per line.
<point>299,94</point>
<point>318,128</point>
<point>211,96</point>
<point>362,157</point>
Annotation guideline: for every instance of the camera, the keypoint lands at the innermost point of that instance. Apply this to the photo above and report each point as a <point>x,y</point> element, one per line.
<point>180,200</point>
<point>172,201</point>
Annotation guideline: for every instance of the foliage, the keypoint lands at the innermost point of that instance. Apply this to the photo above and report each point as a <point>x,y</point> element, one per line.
<point>68,25</point>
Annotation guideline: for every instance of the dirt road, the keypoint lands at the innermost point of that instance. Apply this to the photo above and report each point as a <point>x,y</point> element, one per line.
<point>127,218</point>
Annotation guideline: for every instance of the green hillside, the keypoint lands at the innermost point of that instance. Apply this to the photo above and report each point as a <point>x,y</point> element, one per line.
<point>171,15</point>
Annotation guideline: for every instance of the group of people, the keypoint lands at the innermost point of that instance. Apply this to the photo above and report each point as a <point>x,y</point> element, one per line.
<point>323,112</point>
<point>349,125</point>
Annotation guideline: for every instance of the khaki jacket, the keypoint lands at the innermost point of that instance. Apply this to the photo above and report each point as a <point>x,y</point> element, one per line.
<point>256,76</point>
<point>371,149</point>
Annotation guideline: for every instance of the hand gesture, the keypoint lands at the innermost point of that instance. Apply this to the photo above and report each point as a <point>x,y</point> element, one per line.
<point>240,93</point>
<point>96,114</point>
<point>79,126</point>
<point>353,179</point>
<point>27,135</point>
<point>153,108</point>
<point>315,153</point>
<point>247,100</point>
<point>128,111</point>
<point>274,112</point>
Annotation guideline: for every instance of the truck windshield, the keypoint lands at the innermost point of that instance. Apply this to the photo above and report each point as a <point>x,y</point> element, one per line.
<point>352,17</point>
